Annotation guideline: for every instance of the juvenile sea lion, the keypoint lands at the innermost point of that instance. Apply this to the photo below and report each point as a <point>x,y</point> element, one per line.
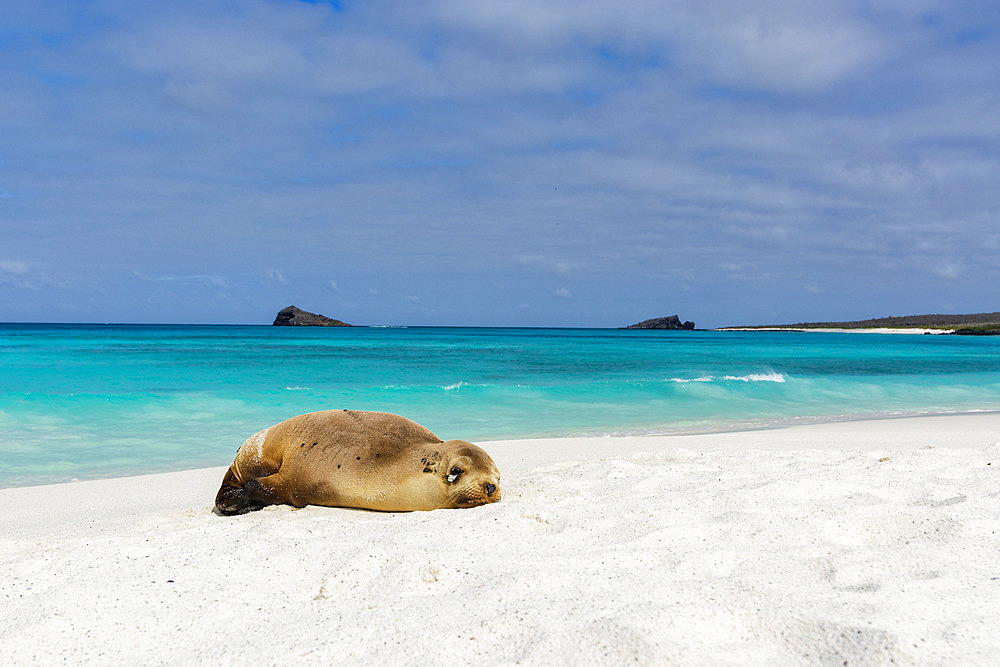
<point>352,458</point>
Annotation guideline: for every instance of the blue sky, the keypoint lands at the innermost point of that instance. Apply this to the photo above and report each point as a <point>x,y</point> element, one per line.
<point>577,163</point>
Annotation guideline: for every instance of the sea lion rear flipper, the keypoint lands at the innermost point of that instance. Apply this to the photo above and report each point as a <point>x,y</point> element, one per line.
<point>231,498</point>
<point>252,496</point>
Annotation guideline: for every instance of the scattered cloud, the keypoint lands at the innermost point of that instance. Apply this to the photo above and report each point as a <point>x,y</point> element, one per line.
<point>203,279</point>
<point>777,47</point>
<point>744,273</point>
<point>276,276</point>
<point>446,148</point>
<point>948,270</point>
<point>559,266</point>
<point>563,293</point>
<point>14,267</point>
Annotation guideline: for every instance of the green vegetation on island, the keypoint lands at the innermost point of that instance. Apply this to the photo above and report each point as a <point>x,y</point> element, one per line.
<point>974,324</point>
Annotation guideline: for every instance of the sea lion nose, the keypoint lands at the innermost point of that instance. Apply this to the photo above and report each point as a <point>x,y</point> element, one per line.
<point>490,488</point>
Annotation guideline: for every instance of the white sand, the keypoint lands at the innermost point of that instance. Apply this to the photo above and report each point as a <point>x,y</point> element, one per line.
<point>785,546</point>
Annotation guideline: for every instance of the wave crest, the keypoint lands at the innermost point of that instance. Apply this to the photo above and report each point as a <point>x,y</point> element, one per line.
<point>752,377</point>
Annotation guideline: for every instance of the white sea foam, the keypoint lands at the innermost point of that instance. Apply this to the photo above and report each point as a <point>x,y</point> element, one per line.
<point>752,377</point>
<point>758,377</point>
<point>455,387</point>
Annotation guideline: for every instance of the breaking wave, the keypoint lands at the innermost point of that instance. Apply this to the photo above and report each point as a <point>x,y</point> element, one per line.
<point>752,377</point>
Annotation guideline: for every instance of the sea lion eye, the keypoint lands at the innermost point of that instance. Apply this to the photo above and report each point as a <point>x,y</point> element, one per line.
<point>454,474</point>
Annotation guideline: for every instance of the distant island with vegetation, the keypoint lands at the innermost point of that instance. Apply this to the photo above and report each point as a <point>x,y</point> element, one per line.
<point>974,324</point>
<point>296,317</point>
<point>672,323</point>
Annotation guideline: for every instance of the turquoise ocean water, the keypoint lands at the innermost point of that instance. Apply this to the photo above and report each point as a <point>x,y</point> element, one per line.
<point>88,401</point>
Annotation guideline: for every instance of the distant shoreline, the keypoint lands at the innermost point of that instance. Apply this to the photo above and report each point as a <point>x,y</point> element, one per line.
<point>864,330</point>
<point>967,324</point>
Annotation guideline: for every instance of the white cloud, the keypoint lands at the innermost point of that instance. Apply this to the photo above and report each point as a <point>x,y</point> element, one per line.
<point>778,46</point>
<point>333,285</point>
<point>14,267</point>
<point>207,280</point>
<point>560,266</point>
<point>949,270</point>
<point>276,276</point>
<point>201,95</point>
<point>563,293</point>
<point>744,273</point>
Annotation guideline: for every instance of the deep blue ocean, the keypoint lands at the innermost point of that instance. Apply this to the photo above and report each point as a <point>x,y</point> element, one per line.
<point>89,401</point>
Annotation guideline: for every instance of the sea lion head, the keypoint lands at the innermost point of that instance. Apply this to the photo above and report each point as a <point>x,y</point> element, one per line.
<point>469,475</point>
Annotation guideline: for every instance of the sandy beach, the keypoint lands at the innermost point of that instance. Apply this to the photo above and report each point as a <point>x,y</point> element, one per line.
<point>863,542</point>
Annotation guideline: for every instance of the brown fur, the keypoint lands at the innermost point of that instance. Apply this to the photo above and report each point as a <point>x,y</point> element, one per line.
<point>350,458</point>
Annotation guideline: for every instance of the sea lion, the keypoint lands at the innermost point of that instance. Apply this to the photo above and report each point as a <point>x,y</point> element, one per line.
<point>353,458</point>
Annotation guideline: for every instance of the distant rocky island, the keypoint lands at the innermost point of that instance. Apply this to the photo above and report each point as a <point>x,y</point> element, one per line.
<point>976,324</point>
<point>672,322</point>
<point>296,317</point>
